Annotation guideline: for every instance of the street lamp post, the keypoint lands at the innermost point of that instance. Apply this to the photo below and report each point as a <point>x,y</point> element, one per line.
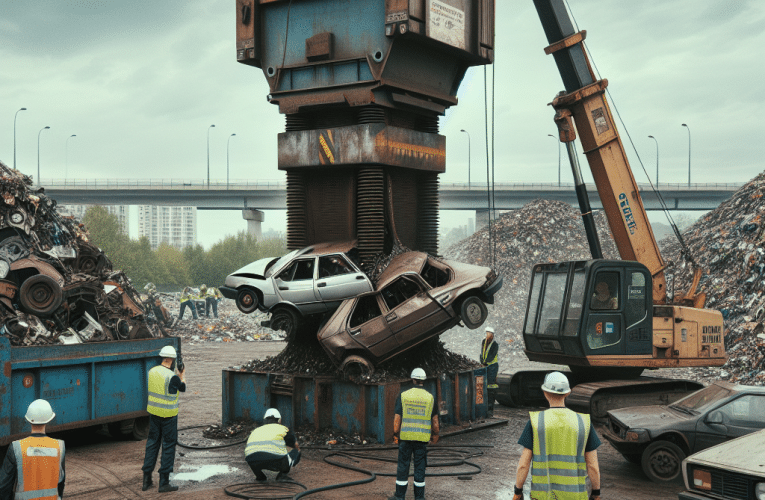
<point>657,158</point>
<point>689,152</point>
<point>468,134</point>
<point>14,136</point>
<point>550,135</point>
<point>66,165</point>
<point>38,155</point>
<point>208,155</point>
<point>227,143</point>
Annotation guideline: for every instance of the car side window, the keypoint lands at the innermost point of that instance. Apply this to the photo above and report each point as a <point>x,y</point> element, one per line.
<point>333,265</point>
<point>746,411</point>
<point>399,291</point>
<point>366,309</point>
<point>287,274</point>
<point>304,270</point>
<point>434,276</point>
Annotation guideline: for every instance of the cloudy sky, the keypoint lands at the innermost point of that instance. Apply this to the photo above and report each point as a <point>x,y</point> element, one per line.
<point>139,83</point>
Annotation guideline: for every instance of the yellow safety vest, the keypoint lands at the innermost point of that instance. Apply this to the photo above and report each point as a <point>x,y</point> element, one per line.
<point>161,402</point>
<point>185,297</point>
<point>267,438</point>
<point>558,468</point>
<point>39,462</point>
<point>485,352</point>
<point>417,408</point>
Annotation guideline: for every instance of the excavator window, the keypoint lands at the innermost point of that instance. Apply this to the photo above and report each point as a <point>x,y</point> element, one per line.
<point>571,328</point>
<point>552,304</point>
<point>606,295</point>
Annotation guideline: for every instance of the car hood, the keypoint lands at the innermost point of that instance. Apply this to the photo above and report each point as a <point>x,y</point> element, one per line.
<point>745,455</point>
<point>648,417</point>
<point>257,268</point>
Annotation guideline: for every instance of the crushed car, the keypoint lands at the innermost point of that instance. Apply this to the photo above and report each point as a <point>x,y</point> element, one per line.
<point>56,286</point>
<point>659,437</point>
<point>416,297</point>
<point>730,471</point>
<point>302,284</point>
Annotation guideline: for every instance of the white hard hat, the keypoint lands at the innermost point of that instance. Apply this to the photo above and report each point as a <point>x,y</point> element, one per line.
<point>490,329</point>
<point>556,383</point>
<point>418,374</point>
<point>39,412</point>
<point>168,352</point>
<point>272,412</point>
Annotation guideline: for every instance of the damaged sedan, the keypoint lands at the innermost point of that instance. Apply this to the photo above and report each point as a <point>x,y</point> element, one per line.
<point>416,297</point>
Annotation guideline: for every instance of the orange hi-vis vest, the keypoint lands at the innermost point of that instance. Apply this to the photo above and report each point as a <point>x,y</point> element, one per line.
<point>39,464</point>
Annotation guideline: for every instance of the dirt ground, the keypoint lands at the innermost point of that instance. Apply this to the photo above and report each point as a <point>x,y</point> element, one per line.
<point>98,467</point>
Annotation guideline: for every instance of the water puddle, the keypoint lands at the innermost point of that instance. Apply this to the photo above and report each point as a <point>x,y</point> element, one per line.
<point>202,473</point>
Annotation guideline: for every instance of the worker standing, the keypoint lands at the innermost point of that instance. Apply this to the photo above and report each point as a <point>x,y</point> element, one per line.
<point>162,406</point>
<point>560,448</point>
<point>490,359</point>
<point>202,297</point>
<point>212,297</point>
<point>414,426</point>
<point>187,300</point>
<point>267,447</point>
<point>35,465</point>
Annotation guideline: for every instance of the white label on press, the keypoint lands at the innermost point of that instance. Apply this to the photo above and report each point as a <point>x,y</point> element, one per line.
<point>446,23</point>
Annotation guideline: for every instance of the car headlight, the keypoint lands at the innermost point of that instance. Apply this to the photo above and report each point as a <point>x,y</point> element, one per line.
<point>637,435</point>
<point>702,480</point>
<point>759,491</point>
<point>5,268</point>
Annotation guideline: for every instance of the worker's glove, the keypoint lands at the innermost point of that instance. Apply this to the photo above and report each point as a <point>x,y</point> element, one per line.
<point>395,439</point>
<point>518,493</point>
<point>518,496</point>
<point>595,495</point>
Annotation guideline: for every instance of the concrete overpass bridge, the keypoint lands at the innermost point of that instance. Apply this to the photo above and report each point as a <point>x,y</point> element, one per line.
<point>252,197</point>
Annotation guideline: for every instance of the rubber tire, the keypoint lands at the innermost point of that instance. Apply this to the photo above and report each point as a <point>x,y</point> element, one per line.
<point>662,462</point>
<point>473,312</point>
<point>286,320</point>
<point>140,429</point>
<point>247,300</point>
<point>46,286</point>
<point>366,367</point>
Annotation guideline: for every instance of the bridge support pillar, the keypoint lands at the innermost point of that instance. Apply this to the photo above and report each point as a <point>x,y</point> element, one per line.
<point>254,220</point>
<point>482,218</point>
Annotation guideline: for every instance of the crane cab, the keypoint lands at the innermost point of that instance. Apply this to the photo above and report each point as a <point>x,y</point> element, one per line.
<point>601,313</point>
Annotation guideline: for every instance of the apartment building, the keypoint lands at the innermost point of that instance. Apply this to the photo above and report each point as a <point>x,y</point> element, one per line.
<point>176,226</point>
<point>78,212</point>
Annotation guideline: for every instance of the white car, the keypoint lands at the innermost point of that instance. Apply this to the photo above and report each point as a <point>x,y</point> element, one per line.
<point>306,282</point>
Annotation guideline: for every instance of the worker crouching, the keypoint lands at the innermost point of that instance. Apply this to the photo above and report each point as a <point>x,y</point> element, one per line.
<point>267,445</point>
<point>35,465</point>
<point>414,426</point>
<point>164,386</point>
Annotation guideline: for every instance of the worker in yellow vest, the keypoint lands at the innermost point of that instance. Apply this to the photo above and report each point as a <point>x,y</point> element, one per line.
<point>560,447</point>
<point>35,465</point>
<point>164,386</point>
<point>490,359</point>
<point>267,447</point>
<point>414,426</point>
<point>187,300</point>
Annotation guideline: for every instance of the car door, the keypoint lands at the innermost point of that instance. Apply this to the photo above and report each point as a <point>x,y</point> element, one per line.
<point>741,416</point>
<point>296,283</point>
<point>338,279</point>
<point>412,313</point>
<point>368,327</point>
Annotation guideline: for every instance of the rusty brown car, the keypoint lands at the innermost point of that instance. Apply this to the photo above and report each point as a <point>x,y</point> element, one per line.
<point>416,298</point>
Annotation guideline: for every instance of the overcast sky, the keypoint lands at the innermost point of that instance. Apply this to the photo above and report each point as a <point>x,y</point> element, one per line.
<point>139,83</point>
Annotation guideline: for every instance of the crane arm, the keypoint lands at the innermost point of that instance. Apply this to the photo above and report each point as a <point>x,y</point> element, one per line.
<point>584,103</point>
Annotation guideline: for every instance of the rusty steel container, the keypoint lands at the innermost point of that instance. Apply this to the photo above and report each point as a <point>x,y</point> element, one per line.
<point>362,84</point>
<point>368,409</point>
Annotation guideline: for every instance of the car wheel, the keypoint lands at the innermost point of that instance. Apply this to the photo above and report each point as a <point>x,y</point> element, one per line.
<point>247,300</point>
<point>662,461</point>
<point>473,312</point>
<point>286,320</point>
<point>40,295</point>
<point>140,429</point>
<point>356,366</point>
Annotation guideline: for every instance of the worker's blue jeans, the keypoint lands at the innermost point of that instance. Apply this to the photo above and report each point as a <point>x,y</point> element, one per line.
<point>210,301</point>
<point>407,449</point>
<point>164,432</point>
<point>190,305</point>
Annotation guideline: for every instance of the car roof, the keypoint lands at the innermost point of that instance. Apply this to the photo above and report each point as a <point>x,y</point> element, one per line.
<point>400,264</point>
<point>741,388</point>
<point>328,248</point>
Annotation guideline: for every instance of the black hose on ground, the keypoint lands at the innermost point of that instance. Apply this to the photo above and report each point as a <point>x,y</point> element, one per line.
<point>206,447</point>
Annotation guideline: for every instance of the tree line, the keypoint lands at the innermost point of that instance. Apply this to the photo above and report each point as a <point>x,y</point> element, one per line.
<point>168,267</point>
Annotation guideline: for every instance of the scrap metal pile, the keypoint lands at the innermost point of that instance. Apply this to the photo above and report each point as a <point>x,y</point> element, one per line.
<point>542,231</point>
<point>729,244</point>
<point>55,286</point>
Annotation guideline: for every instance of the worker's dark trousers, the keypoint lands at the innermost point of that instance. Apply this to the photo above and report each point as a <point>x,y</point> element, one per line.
<point>164,432</point>
<point>210,301</point>
<point>405,451</point>
<point>491,380</point>
<point>190,305</point>
<point>281,463</point>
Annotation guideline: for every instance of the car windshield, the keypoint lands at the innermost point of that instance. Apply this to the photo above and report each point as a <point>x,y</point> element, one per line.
<point>699,400</point>
<point>281,262</point>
